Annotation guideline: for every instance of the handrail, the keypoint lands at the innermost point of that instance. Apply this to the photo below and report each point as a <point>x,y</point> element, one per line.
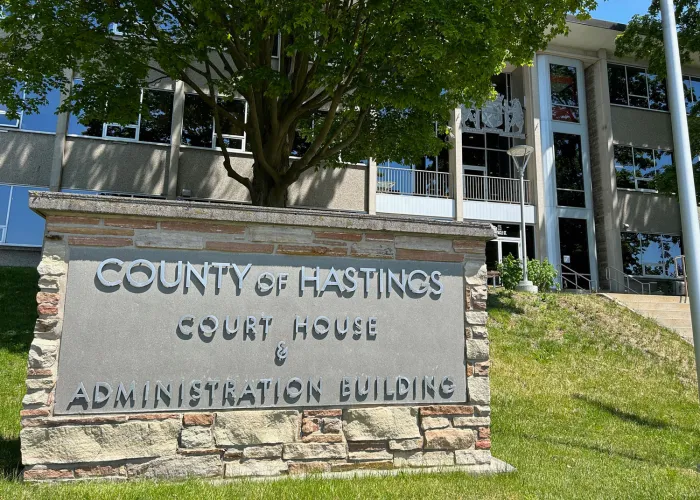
<point>412,182</point>
<point>627,278</point>
<point>494,189</point>
<point>592,286</point>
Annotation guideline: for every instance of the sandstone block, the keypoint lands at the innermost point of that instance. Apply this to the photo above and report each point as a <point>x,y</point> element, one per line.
<point>475,272</point>
<point>36,398</point>
<point>406,444</point>
<point>255,468</point>
<point>276,234</point>
<point>272,451</point>
<point>449,439</point>
<point>99,443</point>
<point>373,465</point>
<point>371,249</point>
<point>52,267</point>
<point>483,444</point>
<point>379,236</point>
<point>42,353</point>
<point>44,474</point>
<point>423,243</point>
<point>323,438</point>
<point>36,384</point>
<point>370,455</point>
<point>424,459</point>
<point>323,413</point>
<point>196,437</point>
<point>428,255</point>
<point>238,247</point>
<point>477,349</point>
<point>91,241</point>
<point>296,468</point>
<point>156,239</point>
<point>434,423</point>
<point>198,419</point>
<point>482,369</point>
<point>476,318</point>
<point>483,411</point>
<point>177,467</point>
<point>256,427</point>
<point>100,471</point>
<point>472,457</point>
<point>338,235</point>
<point>328,251</point>
<point>446,410</point>
<point>471,421</point>
<point>49,284</point>
<point>332,425</point>
<point>372,424</point>
<point>70,219</point>
<point>484,433</point>
<point>131,223</point>
<point>479,390</point>
<point>304,451</point>
<point>201,227</point>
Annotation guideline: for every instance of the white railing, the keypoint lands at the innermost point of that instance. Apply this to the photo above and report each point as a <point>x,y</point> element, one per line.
<point>494,189</point>
<point>413,182</point>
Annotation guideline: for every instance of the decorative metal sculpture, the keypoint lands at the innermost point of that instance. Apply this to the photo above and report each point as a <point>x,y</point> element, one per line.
<point>505,118</point>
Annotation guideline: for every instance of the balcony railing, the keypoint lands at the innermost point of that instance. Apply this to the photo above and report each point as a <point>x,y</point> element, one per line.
<point>494,189</point>
<point>393,180</point>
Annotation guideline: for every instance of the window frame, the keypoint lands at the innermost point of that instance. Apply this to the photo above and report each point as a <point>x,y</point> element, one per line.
<point>644,264</point>
<point>636,177</point>
<point>214,146</point>
<point>552,105</point>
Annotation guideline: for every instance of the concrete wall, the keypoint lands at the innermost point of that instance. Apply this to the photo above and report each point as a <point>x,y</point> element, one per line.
<point>641,128</point>
<point>25,157</point>
<point>118,166</point>
<point>336,189</point>
<point>202,171</point>
<point>648,213</point>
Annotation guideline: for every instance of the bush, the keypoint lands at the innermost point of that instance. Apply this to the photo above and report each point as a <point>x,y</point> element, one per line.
<point>511,272</point>
<point>543,274</point>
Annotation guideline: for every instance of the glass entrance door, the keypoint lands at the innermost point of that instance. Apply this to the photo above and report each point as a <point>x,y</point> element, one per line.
<point>573,248</point>
<point>496,251</point>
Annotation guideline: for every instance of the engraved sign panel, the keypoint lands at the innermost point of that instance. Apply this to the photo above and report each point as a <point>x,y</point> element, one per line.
<point>161,330</point>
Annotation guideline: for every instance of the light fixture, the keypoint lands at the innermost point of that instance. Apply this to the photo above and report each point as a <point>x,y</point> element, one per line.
<point>521,156</point>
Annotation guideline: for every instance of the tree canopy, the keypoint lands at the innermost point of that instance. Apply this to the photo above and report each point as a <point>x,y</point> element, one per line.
<point>354,78</point>
<point>643,39</point>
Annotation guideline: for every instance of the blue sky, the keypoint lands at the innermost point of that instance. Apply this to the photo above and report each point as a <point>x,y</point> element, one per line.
<point>620,11</point>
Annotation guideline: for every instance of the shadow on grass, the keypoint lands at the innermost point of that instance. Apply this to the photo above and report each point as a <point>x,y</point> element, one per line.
<point>10,459</point>
<point>504,301</point>
<point>18,287</point>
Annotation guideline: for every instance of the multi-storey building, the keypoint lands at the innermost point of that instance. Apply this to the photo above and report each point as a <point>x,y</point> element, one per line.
<point>599,125</point>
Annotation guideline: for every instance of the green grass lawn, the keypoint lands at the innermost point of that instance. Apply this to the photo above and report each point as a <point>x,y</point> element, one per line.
<point>589,401</point>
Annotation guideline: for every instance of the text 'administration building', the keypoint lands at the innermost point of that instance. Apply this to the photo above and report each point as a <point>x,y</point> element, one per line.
<point>599,125</point>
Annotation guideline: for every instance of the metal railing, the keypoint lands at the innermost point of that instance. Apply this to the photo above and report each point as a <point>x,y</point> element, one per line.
<point>413,182</point>
<point>624,282</point>
<point>571,279</point>
<point>494,189</point>
<point>679,263</point>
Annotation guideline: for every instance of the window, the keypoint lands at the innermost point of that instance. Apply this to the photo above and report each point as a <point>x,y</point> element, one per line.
<point>638,168</point>
<point>565,107</point>
<point>636,87</point>
<point>569,170</point>
<point>650,255</point>
<point>44,120</point>
<point>18,224</point>
<point>152,125</point>
<point>691,86</point>
<point>198,123</point>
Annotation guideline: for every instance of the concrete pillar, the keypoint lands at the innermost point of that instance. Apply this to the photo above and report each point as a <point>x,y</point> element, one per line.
<point>456,171</point>
<point>175,139</point>
<point>372,190</point>
<point>59,144</point>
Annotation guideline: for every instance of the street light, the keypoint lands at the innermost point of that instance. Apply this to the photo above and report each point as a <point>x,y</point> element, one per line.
<point>521,155</point>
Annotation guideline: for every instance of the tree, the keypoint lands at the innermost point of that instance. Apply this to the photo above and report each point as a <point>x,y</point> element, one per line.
<point>643,39</point>
<point>365,78</point>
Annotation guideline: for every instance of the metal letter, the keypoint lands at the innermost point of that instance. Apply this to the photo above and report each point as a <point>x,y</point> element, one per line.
<point>368,272</point>
<point>220,266</point>
<point>99,396</point>
<point>241,274</point>
<point>195,390</point>
<point>341,332</point>
<point>80,393</point>
<point>297,324</point>
<point>202,278</point>
<point>350,275</point>
<point>314,389</point>
<point>263,287</point>
<point>282,281</point>
<point>162,390</point>
<point>122,396</point>
<point>137,263</point>
<point>371,328</point>
<point>209,331</point>
<point>211,386</point>
<point>185,333</point>
<point>250,330</point>
<point>228,333</point>
<point>360,391</point>
<point>100,270</point>
<point>403,385</point>
<point>447,386</point>
<point>423,287</point>
<point>332,280</point>
<point>319,331</point>
<point>310,279</point>
<point>266,322</point>
<point>294,393</point>
<point>345,389</point>
<point>178,275</point>
<point>435,279</point>
<point>357,328</point>
<point>393,278</point>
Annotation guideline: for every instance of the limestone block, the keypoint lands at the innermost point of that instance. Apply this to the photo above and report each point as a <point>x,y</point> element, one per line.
<point>421,459</point>
<point>279,234</point>
<point>302,451</point>
<point>372,424</point>
<point>272,451</point>
<point>434,422</point>
<point>255,468</point>
<point>241,428</point>
<point>372,249</point>
<point>42,353</point>
<point>483,411</point>
<point>332,425</point>
<point>449,439</point>
<point>471,421</point>
<point>479,390</point>
<point>423,243</point>
<point>52,267</point>
<point>158,239</point>
<point>406,444</point>
<point>178,466</point>
<point>99,443</point>
<point>475,272</point>
<point>477,349</point>
<point>36,384</point>
<point>370,455</point>
<point>472,457</point>
<point>476,318</point>
<point>40,397</point>
<point>197,437</point>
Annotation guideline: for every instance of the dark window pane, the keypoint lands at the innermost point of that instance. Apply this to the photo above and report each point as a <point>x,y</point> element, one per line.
<point>688,91</point>
<point>500,83</point>
<point>624,166</point>
<point>637,81</point>
<point>237,108</point>
<point>695,84</point>
<point>156,119</point>
<point>564,87</point>
<point>92,128</point>
<point>617,81</point>
<point>657,93</point>
<point>644,163</point>
<point>198,122</point>
<point>498,164</point>
<point>473,140</point>
<point>233,142</point>
<point>639,102</point>
<point>495,141</point>
<point>45,119</point>
<point>571,198</point>
<point>568,161</point>
<point>631,254</point>
<point>565,114</point>
<point>664,159</point>
<point>473,157</point>
<point>573,243</point>
<point>121,132</point>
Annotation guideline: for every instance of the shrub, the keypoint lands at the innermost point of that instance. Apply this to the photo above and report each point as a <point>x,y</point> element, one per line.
<point>511,272</point>
<point>543,274</point>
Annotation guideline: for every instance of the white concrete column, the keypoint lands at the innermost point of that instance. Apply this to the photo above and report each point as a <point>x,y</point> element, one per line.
<point>372,190</point>
<point>59,144</point>
<point>456,170</point>
<point>175,138</point>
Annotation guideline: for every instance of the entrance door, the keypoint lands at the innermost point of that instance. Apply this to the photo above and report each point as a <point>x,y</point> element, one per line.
<point>573,248</point>
<point>497,250</point>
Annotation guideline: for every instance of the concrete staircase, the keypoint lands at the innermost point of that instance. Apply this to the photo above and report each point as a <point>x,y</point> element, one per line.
<point>671,312</point>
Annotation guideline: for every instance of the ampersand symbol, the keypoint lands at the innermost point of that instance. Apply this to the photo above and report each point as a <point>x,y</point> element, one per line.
<point>281,352</point>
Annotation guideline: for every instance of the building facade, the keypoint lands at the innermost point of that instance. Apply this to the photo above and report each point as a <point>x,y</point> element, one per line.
<point>599,125</point>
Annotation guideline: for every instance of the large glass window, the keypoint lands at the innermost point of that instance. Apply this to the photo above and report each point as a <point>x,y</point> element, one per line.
<point>636,87</point>
<point>18,224</point>
<point>152,125</point>
<point>692,91</point>
<point>43,120</point>
<point>568,164</point>
<point>198,123</point>
<point>650,254</point>
<point>565,103</point>
<point>638,168</point>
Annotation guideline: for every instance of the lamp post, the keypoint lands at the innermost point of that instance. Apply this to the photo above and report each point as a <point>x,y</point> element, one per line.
<point>521,155</point>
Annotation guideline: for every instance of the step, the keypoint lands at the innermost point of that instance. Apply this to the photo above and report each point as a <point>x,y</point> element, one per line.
<point>661,314</point>
<point>654,299</point>
<point>643,306</point>
<point>675,323</point>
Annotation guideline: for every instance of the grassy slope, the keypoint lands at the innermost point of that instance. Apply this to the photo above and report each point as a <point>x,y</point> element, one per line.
<point>589,401</point>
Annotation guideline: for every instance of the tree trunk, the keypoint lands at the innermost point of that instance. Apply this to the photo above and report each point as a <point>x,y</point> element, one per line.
<point>266,193</point>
